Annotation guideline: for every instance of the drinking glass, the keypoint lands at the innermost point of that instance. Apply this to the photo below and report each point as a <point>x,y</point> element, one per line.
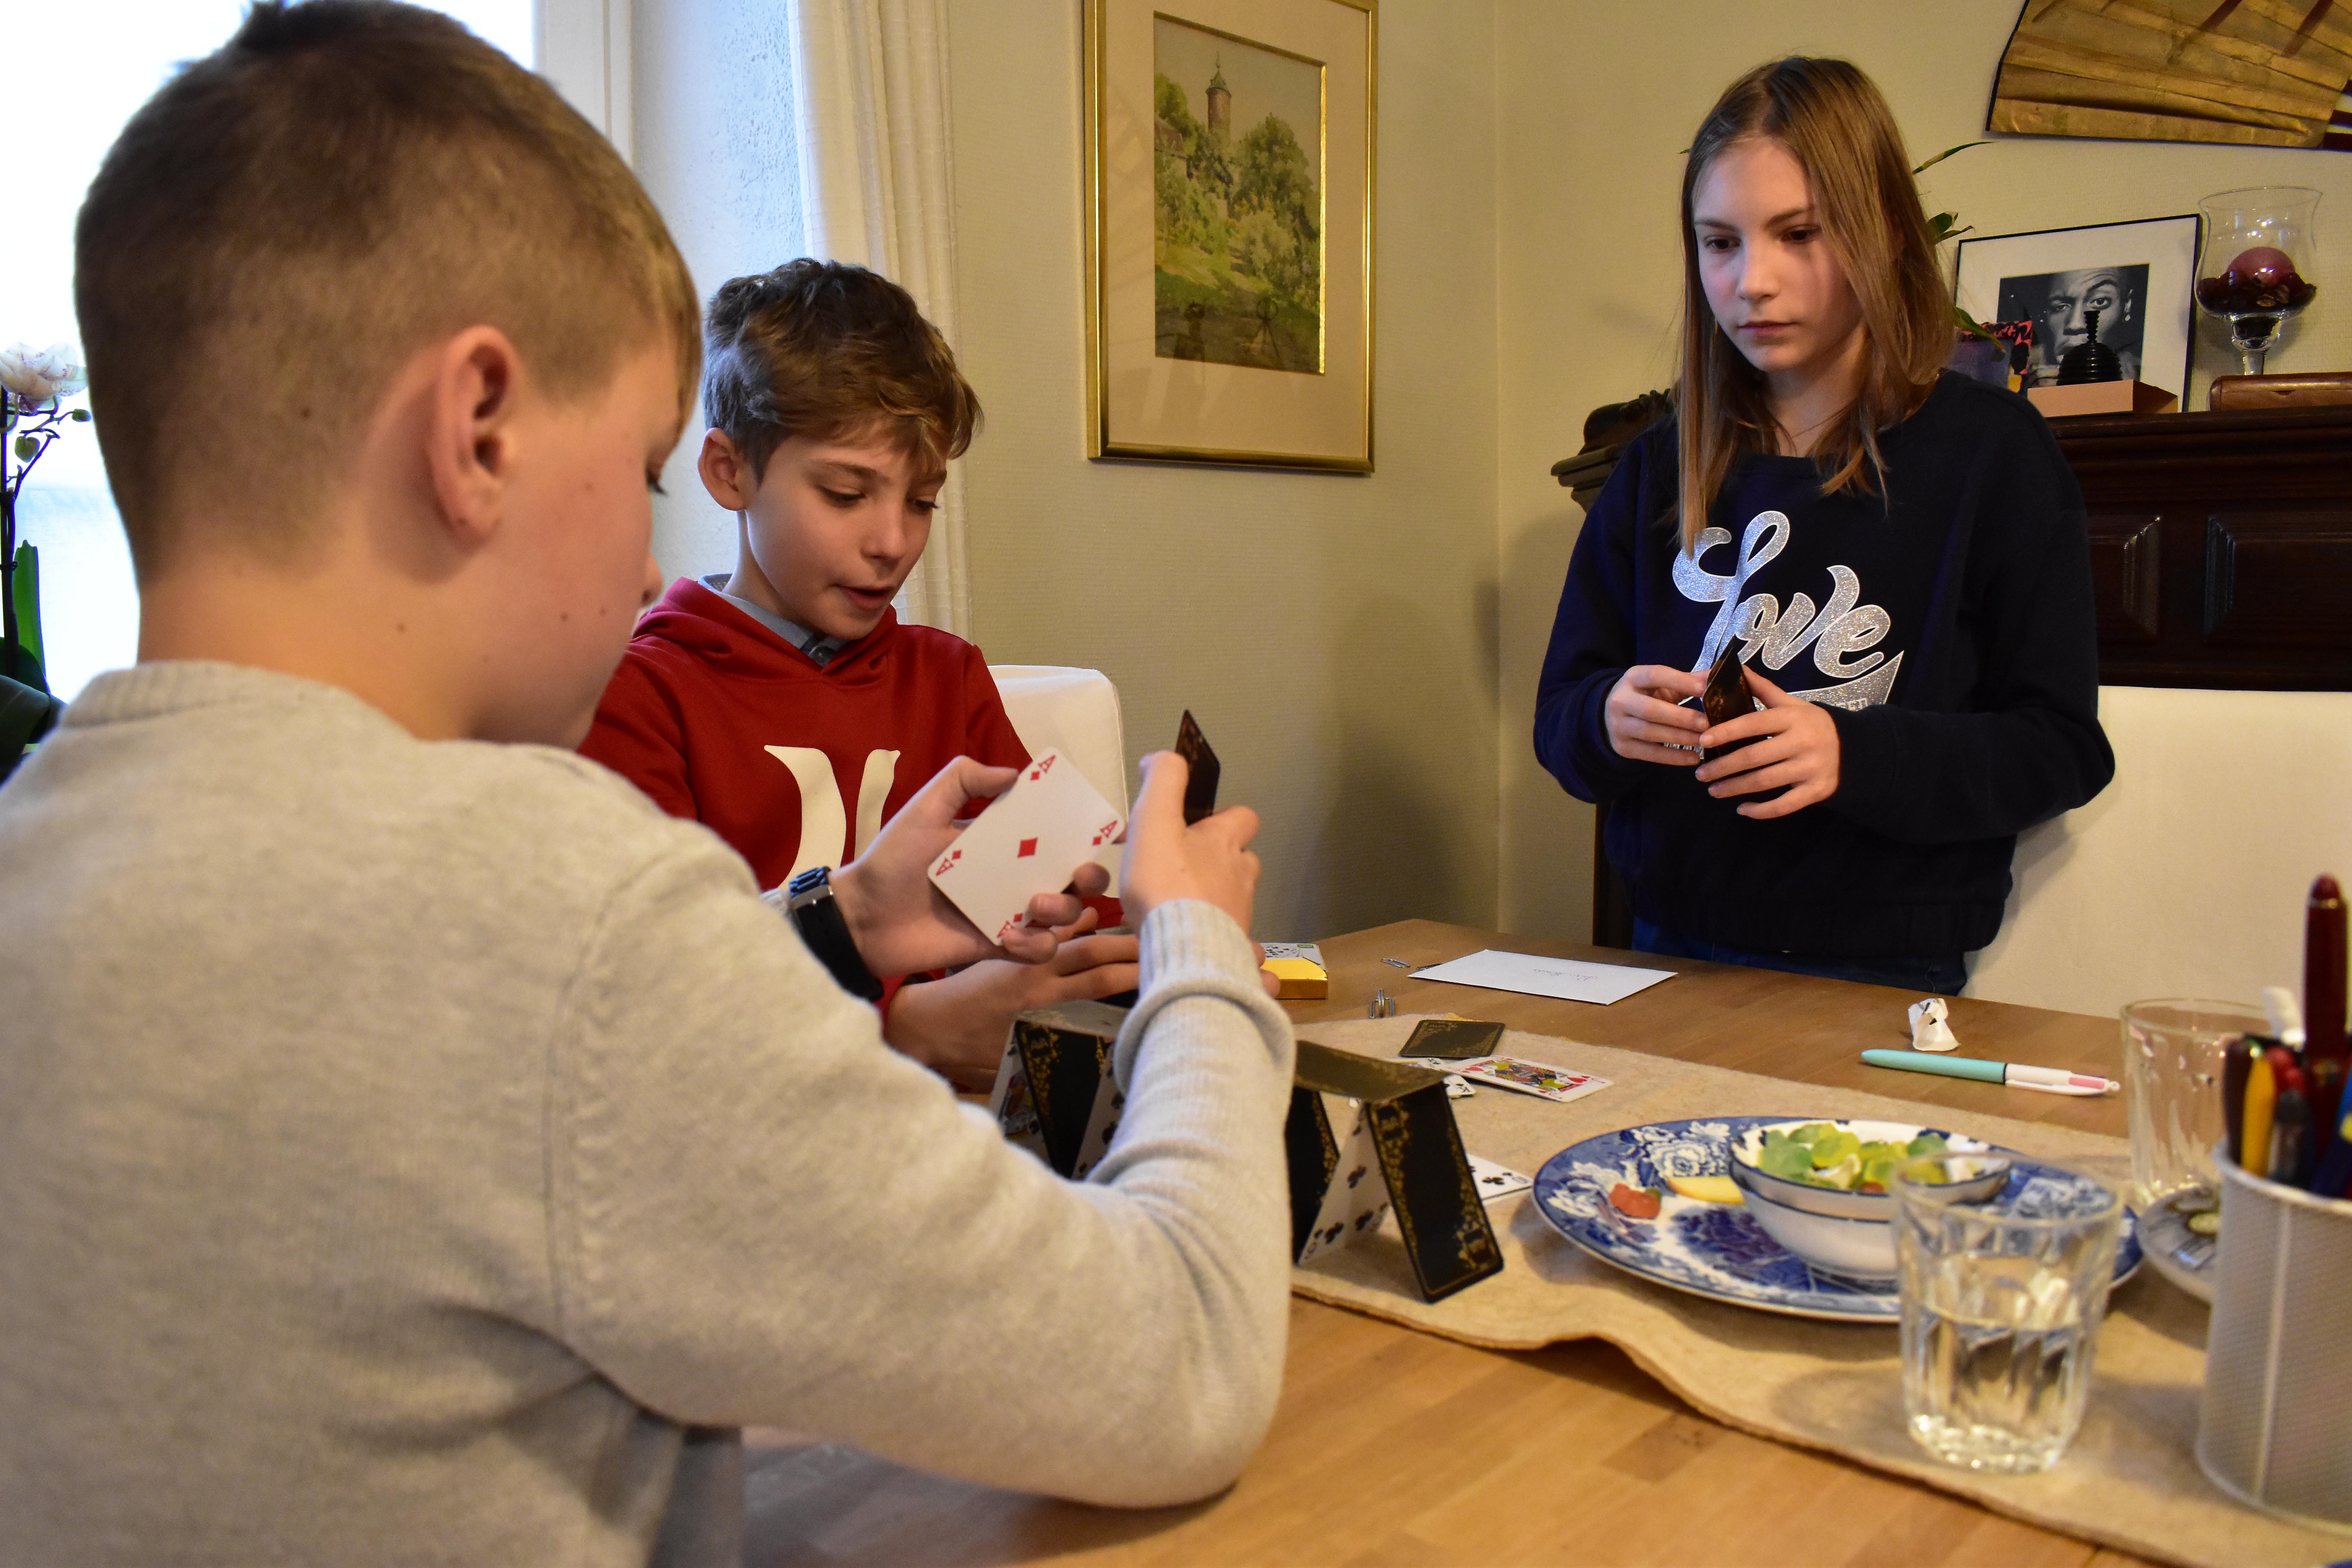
<point>2172,1090</point>
<point>2255,266</point>
<point>2001,1301</point>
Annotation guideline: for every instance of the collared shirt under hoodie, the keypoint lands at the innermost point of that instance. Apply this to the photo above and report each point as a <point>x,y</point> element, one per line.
<point>1947,627</point>
<point>721,719</point>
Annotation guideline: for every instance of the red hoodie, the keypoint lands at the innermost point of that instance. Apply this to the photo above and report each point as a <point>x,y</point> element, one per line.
<point>718,719</point>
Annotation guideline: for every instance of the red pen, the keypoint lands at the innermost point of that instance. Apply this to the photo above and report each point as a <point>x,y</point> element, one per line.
<point>2323,997</point>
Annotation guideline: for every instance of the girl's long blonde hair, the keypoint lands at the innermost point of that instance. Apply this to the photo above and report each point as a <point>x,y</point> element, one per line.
<point>1834,121</point>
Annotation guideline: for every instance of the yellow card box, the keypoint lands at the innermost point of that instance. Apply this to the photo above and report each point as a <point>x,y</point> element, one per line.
<point>1298,968</point>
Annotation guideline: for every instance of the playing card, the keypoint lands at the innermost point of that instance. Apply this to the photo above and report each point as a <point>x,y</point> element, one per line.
<point>1494,1181</point>
<point>1356,1199</point>
<point>1102,1122</point>
<point>1029,841</point>
<point>1452,1040</point>
<point>1531,1077</point>
<point>1201,770</point>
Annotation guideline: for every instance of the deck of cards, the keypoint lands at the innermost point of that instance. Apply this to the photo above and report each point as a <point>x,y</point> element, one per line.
<point>1031,840</point>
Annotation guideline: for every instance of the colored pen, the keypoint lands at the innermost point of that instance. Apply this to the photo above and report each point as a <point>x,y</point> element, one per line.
<point>2236,1057</point>
<point>2254,1130</point>
<point>2286,1018</point>
<point>2324,999</point>
<point>2326,1077</point>
<point>2333,1179</point>
<point>2017,1075</point>
<point>2290,1138</point>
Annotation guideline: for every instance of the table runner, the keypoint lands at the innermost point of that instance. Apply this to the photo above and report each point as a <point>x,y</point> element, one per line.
<point>2130,1480</point>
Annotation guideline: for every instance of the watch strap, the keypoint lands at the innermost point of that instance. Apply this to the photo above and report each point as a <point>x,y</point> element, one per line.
<point>816,915</point>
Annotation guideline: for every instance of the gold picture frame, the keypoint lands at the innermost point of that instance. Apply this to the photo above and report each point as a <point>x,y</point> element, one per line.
<point>1229,249</point>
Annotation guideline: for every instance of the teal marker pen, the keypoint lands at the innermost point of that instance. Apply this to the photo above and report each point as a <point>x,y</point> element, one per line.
<point>2017,1075</point>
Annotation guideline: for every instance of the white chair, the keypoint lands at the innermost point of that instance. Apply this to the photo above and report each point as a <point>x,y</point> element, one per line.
<point>1061,707</point>
<point>2186,877</point>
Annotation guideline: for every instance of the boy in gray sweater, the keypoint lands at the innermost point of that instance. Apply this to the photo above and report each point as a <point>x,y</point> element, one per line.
<point>418,1148</point>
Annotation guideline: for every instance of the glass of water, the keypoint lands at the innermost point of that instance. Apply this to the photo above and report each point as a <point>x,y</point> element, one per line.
<point>2001,1301</point>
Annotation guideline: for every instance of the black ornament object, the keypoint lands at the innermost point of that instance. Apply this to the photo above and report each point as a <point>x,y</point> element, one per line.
<point>2090,361</point>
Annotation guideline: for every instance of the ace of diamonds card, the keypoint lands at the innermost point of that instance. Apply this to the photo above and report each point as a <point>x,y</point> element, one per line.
<point>1031,840</point>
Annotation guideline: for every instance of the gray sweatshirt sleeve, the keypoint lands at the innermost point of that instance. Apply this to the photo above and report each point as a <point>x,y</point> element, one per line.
<point>760,1214</point>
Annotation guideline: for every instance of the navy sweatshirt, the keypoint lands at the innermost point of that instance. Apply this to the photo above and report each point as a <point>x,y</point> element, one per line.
<point>1947,627</point>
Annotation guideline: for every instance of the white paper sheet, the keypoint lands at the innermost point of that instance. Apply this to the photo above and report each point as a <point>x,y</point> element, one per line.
<point>1565,978</point>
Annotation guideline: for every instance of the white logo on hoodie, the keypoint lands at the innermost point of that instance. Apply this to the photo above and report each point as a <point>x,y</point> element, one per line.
<point>1773,636</point>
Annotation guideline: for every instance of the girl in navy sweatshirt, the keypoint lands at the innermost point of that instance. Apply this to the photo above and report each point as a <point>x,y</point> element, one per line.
<point>1897,553</point>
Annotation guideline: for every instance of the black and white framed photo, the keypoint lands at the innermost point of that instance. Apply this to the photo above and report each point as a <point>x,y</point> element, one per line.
<point>2136,277</point>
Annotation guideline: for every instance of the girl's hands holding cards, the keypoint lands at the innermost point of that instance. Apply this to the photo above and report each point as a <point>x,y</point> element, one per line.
<point>902,925</point>
<point>1166,860</point>
<point>1645,720</point>
<point>1796,750</point>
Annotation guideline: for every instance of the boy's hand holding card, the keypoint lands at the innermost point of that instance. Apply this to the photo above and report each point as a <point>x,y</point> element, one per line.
<point>898,918</point>
<point>1030,841</point>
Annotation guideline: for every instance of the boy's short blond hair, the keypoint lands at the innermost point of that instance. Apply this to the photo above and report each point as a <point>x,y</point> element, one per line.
<point>286,220</point>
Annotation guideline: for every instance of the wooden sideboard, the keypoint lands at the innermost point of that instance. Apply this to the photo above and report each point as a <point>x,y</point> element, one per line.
<point>2220,546</point>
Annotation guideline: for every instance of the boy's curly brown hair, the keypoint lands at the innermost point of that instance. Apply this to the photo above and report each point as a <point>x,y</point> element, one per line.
<point>826,350</point>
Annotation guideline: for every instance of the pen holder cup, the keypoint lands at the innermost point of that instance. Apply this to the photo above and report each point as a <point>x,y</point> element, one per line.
<point>2276,1427</point>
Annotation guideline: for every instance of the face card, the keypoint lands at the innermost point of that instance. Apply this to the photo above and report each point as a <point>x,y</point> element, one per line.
<point>1030,840</point>
<point>1012,1106</point>
<point>1453,1039</point>
<point>1201,779</point>
<point>1550,1083</point>
<point>1494,1181</point>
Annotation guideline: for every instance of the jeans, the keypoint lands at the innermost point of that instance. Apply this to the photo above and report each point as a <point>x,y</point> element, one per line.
<point>1942,976</point>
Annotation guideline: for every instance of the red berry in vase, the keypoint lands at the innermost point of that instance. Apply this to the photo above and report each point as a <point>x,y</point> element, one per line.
<point>2262,279</point>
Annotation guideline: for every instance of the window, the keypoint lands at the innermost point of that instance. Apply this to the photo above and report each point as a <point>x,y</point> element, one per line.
<point>100,62</point>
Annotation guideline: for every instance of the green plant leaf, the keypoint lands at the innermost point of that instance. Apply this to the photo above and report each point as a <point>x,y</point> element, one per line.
<point>27,449</point>
<point>1967,325</point>
<point>1923,168</point>
<point>79,416</point>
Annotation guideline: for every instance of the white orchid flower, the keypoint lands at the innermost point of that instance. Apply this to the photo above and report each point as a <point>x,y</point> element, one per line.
<point>40,377</point>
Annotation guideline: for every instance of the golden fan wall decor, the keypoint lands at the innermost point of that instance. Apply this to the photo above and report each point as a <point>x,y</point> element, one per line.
<point>2262,73</point>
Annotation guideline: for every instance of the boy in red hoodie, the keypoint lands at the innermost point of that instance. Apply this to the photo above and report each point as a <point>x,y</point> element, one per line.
<point>784,705</point>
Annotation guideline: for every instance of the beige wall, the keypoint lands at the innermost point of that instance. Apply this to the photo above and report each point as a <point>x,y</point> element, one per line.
<point>1333,635</point>
<point>1596,100</point>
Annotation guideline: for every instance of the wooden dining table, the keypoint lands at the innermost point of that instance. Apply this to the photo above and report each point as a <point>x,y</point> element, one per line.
<point>1367,1462</point>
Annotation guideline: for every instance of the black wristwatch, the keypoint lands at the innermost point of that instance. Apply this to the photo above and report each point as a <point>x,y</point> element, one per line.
<point>816,915</point>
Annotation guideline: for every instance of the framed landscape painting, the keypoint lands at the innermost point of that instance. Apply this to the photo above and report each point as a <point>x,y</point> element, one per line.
<point>1230,148</point>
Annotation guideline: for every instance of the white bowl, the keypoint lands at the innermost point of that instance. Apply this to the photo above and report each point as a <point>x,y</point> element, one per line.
<point>1832,1203</point>
<point>1854,1248</point>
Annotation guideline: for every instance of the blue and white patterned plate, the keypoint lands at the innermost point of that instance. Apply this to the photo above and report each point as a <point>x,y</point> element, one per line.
<point>1717,1250</point>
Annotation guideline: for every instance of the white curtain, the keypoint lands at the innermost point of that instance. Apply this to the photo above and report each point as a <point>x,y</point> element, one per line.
<point>876,190</point>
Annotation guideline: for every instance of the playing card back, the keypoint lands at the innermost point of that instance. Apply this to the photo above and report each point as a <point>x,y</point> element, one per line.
<point>1201,770</point>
